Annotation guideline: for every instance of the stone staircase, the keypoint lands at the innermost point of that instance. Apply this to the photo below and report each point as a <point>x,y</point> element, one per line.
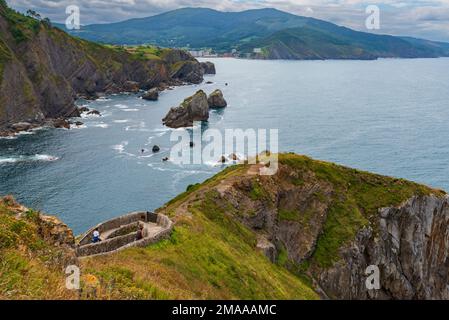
<point>120,233</point>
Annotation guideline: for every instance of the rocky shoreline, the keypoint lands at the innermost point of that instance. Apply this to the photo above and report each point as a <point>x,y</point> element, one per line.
<point>66,122</point>
<point>48,70</point>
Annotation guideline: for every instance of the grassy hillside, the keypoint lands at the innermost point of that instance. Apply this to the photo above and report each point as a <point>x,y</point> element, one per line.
<point>281,35</point>
<point>31,265</point>
<point>310,210</point>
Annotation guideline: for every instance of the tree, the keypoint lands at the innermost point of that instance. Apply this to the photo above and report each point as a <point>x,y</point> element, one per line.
<point>33,14</point>
<point>46,22</point>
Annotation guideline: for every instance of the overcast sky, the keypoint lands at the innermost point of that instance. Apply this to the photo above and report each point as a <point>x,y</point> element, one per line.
<point>421,18</point>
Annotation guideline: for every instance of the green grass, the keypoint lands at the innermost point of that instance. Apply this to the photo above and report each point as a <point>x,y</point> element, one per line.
<point>210,255</point>
<point>29,267</point>
<point>358,196</point>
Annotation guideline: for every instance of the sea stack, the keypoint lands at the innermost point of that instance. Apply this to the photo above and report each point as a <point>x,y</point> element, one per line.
<point>216,100</point>
<point>194,108</point>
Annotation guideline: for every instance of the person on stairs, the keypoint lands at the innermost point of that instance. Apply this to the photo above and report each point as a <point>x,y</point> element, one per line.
<point>96,236</point>
<point>139,235</point>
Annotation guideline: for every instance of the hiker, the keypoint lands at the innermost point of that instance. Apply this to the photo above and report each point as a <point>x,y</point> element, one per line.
<point>96,236</point>
<point>139,235</point>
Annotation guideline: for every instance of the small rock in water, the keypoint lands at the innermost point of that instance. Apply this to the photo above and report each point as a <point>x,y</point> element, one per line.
<point>216,100</point>
<point>165,159</point>
<point>156,149</point>
<point>223,159</point>
<point>234,157</point>
<point>151,95</point>
<point>61,123</point>
<point>192,144</point>
<point>94,113</point>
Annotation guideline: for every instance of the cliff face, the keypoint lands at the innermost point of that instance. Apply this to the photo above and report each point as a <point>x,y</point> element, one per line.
<point>411,250</point>
<point>34,251</point>
<point>313,228</point>
<point>43,70</point>
<point>329,224</point>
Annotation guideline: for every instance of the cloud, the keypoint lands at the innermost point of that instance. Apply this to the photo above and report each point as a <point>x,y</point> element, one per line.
<point>420,18</point>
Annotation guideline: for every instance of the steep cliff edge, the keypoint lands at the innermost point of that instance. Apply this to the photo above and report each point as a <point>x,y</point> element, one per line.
<point>34,252</point>
<point>43,70</point>
<point>309,231</point>
<point>328,223</point>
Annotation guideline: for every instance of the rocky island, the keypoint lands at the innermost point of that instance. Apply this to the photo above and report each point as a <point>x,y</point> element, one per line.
<point>194,108</point>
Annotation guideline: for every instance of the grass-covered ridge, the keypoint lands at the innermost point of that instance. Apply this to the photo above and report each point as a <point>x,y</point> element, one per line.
<point>357,197</point>
<point>212,253</point>
<point>209,256</point>
<point>30,267</point>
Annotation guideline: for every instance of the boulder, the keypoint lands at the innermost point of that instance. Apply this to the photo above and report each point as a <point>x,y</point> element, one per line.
<point>194,108</point>
<point>156,149</point>
<point>61,123</point>
<point>131,86</point>
<point>83,109</point>
<point>208,67</point>
<point>216,100</point>
<point>94,113</point>
<point>151,95</point>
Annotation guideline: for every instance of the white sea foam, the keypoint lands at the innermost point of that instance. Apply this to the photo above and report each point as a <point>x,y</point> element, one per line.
<point>101,125</point>
<point>130,110</point>
<point>36,157</point>
<point>103,99</point>
<point>121,121</point>
<point>120,147</point>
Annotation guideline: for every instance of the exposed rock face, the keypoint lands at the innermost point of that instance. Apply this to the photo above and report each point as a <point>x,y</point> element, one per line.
<point>208,67</point>
<point>189,71</point>
<point>45,70</point>
<point>151,95</point>
<point>292,213</point>
<point>411,250</point>
<point>57,232</point>
<point>194,108</point>
<point>216,100</point>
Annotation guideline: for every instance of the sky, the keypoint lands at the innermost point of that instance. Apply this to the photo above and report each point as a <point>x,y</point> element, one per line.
<point>419,18</point>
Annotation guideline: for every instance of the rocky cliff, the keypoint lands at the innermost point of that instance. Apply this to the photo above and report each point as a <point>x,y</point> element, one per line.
<point>34,252</point>
<point>194,108</point>
<point>328,224</point>
<point>43,70</point>
<point>311,230</point>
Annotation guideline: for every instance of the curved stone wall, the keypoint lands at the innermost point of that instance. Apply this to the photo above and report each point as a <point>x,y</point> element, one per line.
<point>116,243</point>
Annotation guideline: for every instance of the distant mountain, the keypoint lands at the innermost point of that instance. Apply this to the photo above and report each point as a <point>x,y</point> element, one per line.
<point>278,35</point>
